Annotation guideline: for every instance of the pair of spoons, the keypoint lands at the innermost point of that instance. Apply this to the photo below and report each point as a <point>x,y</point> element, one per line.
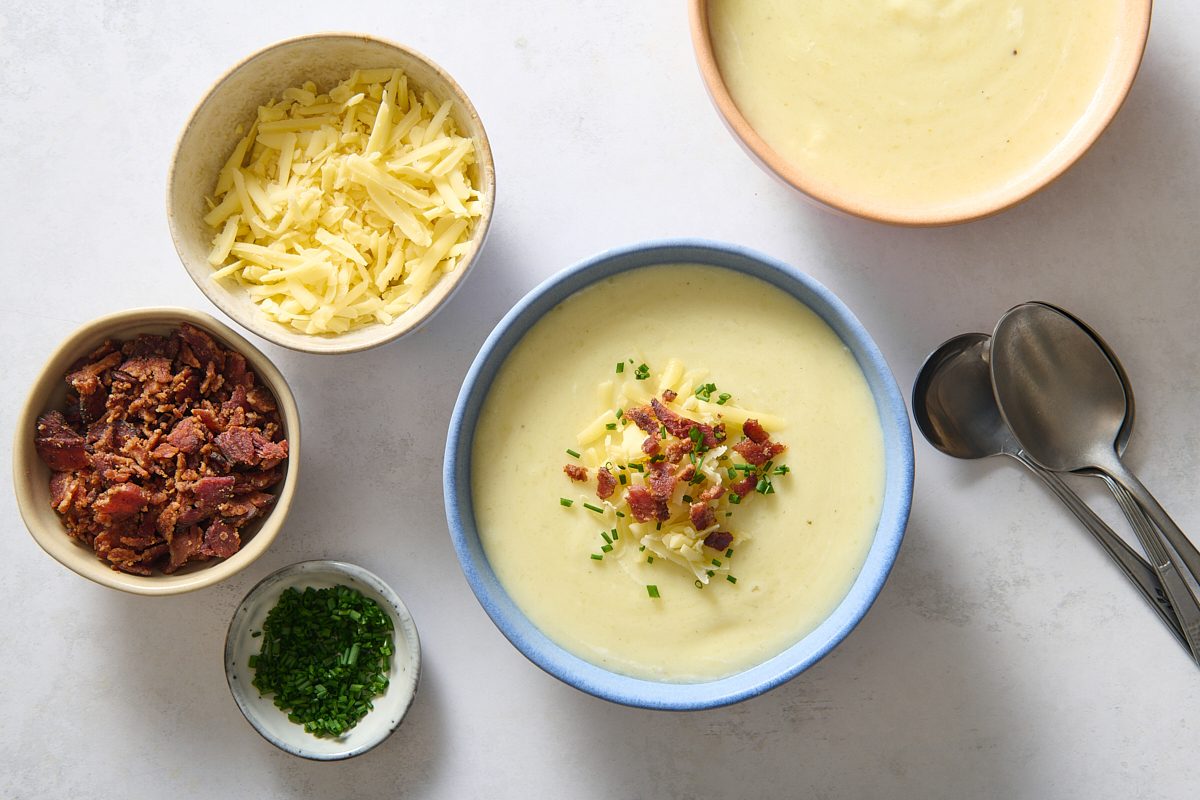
<point>1046,390</point>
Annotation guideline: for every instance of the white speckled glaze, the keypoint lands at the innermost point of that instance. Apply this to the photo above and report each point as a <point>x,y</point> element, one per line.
<point>213,131</point>
<point>261,712</point>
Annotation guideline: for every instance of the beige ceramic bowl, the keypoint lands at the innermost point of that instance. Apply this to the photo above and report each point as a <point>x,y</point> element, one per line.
<point>1127,56</point>
<point>31,477</point>
<point>211,134</point>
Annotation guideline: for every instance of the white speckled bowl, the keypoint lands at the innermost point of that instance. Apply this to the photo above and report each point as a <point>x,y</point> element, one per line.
<point>31,476</point>
<point>261,712</point>
<point>211,134</point>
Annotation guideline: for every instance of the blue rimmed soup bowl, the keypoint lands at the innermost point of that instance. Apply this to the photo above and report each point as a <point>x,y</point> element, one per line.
<point>620,688</point>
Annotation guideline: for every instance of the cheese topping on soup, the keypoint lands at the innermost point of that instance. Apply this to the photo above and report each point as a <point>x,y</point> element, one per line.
<point>797,550</point>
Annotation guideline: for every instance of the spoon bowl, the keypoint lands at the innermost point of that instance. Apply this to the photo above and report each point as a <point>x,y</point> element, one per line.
<point>1057,389</point>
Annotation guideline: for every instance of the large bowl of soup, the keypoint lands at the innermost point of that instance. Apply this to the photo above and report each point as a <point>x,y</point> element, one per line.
<point>678,474</point>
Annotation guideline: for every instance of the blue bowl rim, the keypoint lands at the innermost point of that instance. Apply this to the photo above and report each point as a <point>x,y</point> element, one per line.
<point>596,680</point>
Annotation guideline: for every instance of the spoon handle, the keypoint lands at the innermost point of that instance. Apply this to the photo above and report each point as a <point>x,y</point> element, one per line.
<point>1135,568</point>
<point>1170,564</point>
<point>1181,597</point>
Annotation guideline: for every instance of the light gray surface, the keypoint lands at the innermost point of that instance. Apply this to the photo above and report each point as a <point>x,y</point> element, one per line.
<point>1005,658</point>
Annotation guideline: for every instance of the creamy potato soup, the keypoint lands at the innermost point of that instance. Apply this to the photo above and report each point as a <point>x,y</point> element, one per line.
<point>914,102</point>
<point>709,380</point>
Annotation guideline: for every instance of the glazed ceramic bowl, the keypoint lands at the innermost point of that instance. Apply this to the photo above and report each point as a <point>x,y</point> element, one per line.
<point>1134,26</point>
<point>31,477</point>
<point>389,708</point>
<point>596,680</point>
<point>212,133</point>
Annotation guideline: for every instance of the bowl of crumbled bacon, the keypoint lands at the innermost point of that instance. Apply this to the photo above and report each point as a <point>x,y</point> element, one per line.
<point>157,452</point>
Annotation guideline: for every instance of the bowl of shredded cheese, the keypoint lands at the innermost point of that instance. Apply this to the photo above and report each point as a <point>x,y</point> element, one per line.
<point>331,192</point>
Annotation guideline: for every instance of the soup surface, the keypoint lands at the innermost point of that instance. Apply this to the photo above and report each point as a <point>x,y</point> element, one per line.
<point>919,103</point>
<point>803,545</point>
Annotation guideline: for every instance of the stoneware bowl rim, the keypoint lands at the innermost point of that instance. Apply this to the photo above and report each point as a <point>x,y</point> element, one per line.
<point>1123,68</point>
<point>356,341</point>
<point>27,467</point>
<point>633,691</point>
<point>253,706</point>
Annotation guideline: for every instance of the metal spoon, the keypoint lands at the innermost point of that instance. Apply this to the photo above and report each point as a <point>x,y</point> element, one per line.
<point>1063,399</point>
<point>955,409</point>
<point>1141,524</point>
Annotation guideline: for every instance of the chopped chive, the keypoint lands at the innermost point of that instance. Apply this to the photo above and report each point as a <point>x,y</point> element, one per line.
<point>604,535</point>
<point>716,562</point>
<point>782,469</point>
<point>614,534</point>
<point>723,398</point>
<point>620,413</point>
<point>699,584</point>
<point>658,526</point>
<point>611,426</point>
<point>591,507</point>
<point>621,478</point>
<point>729,513</point>
<point>619,514</point>
<point>638,467</point>
<point>662,431</point>
<point>704,392</point>
<point>731,472</point>
<point>731,579</point>
<point>642,372</point>
<point>735,498</point>
<point>687,498</point>
<point>649,559</point>
<point>761,486</point>
<point>697,478</point>
<point>770,489</point>
<point>767,467</point>
<point>642,549</point>
<point>606,548</point>
<point>695,435</point>
<point>572,453</point>
<point>620,367</point>
<point>652,590</point>
<point>597,557</point>
<point>729,553</point>
<point>562,501</point>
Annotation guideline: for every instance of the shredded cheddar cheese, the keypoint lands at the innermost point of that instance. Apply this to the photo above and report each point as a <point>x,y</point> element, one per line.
<point>343,209</point>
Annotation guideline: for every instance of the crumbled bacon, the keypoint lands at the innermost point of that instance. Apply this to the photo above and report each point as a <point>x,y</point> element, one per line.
<point>718,540</point>
<point>59,446</point>
<point>702,515</point>
<point>606,484</point>
<point>686,472</point>
<point>121,501</point>
<point>137,457</point>
<point>714,492</point>
<point>669,395</point>
<point>650,446</point>
<point>660,478</point>
<point>221,540</point>
<point>755,431</point>
<point>681,427</point>
<point>575,472</point>
<point>758,453</point>
<point>677,450</point>
<point>641,503</point>
<point>745,486</point>
<point>643,418</point>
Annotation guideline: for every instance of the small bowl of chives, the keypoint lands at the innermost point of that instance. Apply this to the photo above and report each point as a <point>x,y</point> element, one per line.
<point>332,643</point>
